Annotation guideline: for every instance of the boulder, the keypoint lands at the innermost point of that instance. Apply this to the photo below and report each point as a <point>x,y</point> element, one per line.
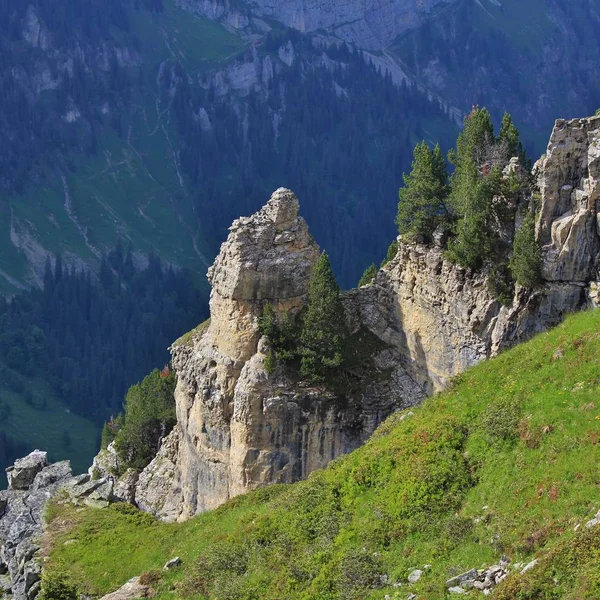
<point>124,489</point>
<point>415,576</point>
<point>172,564</point>
<point>132,590</point>
<point>22,474</point>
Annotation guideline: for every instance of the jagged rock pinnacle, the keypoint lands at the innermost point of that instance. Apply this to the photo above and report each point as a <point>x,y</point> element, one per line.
<point>268,256</point>
<point>283,208</point>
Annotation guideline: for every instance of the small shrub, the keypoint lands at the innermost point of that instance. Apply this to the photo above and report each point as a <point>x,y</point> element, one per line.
<point>368,276</point>
<point>500,421</point>
<point>391,253</point>
<point>270,362</point>
<point>150,578</point>
<point>359,572</point>
<point>55,586</point>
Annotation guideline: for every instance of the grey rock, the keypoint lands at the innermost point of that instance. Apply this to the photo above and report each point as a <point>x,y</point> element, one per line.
<point>456,590</point>
<point>415,576</point>
<point>51,474</point>
<point>467,576</point>
<point>22,473</point>
<point>102,496</point>
<point>132,590</point>
<point>106,464</point>
<point>529,566</point>
<point>22,523</point>
<point>593,522</point>
<point>371,24</point>
<point>124,487</point>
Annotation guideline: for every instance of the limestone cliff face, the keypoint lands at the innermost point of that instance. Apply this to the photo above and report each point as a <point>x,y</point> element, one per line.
<point>443,319</point>
<point>238,427</point>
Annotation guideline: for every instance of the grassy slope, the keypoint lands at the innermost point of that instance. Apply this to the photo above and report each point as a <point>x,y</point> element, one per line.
<point>517,435</point>
<point>132,188</point>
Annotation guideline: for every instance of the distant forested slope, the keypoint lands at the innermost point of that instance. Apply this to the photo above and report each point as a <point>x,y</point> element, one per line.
<point>138,121</point>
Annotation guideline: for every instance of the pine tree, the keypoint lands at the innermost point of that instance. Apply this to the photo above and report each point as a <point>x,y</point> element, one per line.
<point>368,276</point>
<point>324,329</point>
<point>149,416</point>
<point>525,263</point>
<point>422,205</point>
<point>510,136</point>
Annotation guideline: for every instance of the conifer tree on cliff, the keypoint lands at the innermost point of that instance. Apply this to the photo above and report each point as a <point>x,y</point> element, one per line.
<point>324,329</point>
<point>422,204</point>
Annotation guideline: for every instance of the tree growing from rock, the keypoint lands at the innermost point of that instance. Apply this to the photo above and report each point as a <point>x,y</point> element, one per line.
<point>525,263</point>
<point>149,416</point>
<point>422,205</point>
<point>324,330</point>
<point>368,276</point>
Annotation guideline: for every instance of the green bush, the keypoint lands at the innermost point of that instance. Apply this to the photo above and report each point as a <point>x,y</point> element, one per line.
<point>391,253</point>
<point>526,260</point>
<point>500,421</point>
<point>368,276</point>
<point>149,416</point>
<point>55,586</point>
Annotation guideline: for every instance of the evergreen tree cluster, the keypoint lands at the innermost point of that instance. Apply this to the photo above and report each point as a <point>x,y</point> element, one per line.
<point>476,204</point>
<point>149,415</point>
<point>316,341</point>
<point>92,339</point>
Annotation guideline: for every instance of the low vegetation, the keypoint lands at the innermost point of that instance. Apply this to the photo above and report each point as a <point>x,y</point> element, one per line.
<point>504,463</point>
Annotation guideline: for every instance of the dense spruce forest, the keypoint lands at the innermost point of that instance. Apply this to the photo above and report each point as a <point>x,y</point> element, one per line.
<point>92,339</point>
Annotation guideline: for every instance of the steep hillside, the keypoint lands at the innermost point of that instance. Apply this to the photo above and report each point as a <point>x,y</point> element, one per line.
<point>536,59</point>
<point>156,126</point>
<point>503,467</point>
<point>159,122</point>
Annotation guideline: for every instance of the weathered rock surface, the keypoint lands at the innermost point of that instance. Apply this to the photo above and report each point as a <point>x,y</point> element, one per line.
<point>32,482</point>
<point>238,427</point>
<point>443,319</point>
<point>23,472</point>
<point>132,590</point>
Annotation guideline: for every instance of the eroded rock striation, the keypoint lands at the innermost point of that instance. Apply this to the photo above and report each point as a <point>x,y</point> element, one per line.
<point>238,427</point>
<point>371,24</point>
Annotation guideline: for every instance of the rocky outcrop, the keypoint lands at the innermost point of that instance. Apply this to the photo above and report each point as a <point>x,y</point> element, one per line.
<point>238,426</point>
<point>32,482</point>
<point>421,322</point>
